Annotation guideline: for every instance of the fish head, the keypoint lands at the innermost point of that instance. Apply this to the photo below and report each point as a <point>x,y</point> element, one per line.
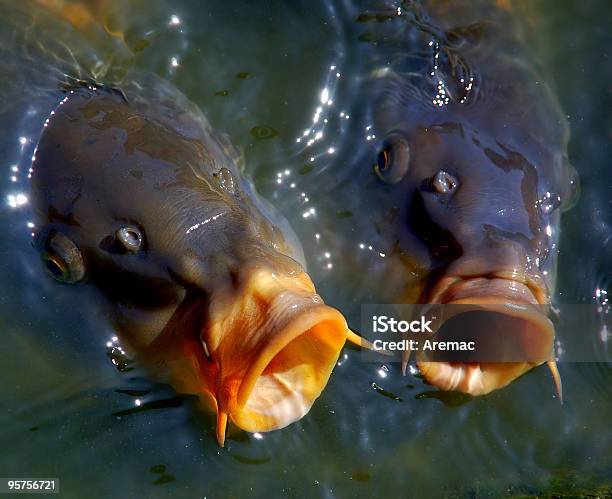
<point>200,281</point>
<point>482,188</point>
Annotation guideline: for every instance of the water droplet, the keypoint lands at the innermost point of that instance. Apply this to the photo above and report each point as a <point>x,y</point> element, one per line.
<point>549,202</point>
<point>119,358</point>
<point>602,300</point>
<point>226,180</point>
<point>543,255</point>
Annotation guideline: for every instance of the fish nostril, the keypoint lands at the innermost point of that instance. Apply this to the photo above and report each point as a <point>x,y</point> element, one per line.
<point>444,182</point>
<point>130,238</point>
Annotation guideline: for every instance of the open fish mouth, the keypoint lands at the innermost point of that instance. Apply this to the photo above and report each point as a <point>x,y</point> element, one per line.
<point>507,320</point>
<point>267,350</point>
<point>290,371</point>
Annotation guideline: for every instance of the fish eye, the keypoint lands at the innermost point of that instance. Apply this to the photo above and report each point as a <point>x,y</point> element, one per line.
<point>393,160</point>
<point>62,259</point>
<point>384,158</point>
<point>130,238</point>
<point>444,182</point>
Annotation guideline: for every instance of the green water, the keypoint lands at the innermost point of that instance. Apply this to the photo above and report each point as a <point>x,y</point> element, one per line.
<point>258,71</point>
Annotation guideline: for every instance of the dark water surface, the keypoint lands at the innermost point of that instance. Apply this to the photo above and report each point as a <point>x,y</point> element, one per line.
<point>266,72</point>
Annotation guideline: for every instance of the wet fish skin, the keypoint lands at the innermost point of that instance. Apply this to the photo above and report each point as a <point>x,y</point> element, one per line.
<point>208,288</point>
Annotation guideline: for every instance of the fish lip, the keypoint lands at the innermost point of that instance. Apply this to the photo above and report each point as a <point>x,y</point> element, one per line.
<point>501,292</point>
<point>273,344</point>
<point>300,325</point>
<point>448,289</point>
<point>472,378</point>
